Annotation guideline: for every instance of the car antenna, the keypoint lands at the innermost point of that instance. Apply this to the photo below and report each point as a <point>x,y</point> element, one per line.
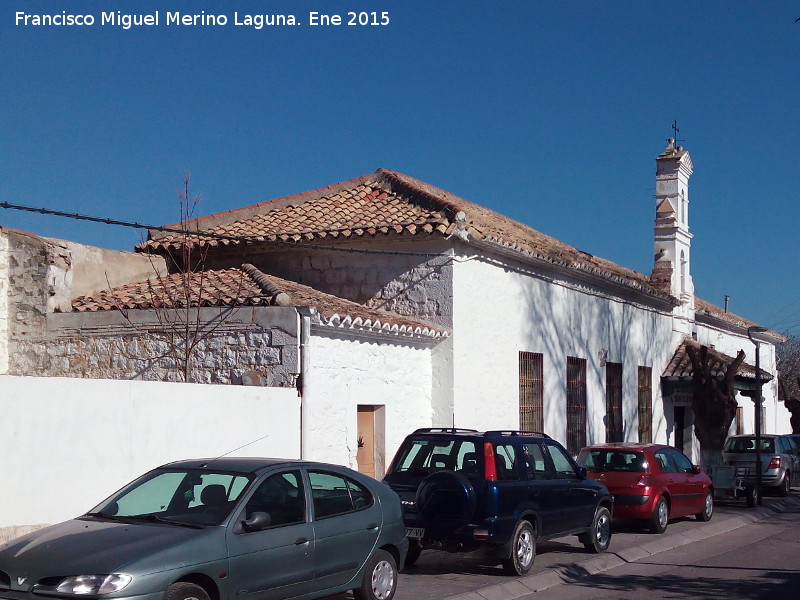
<point>205,464</point>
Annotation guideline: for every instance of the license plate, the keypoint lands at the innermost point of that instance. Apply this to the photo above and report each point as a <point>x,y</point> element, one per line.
<point>416,533</point>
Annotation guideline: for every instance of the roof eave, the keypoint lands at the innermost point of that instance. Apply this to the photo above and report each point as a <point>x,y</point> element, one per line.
<point>591,275</point>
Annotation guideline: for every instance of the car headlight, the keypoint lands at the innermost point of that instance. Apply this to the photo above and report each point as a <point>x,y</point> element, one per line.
<point>93,584</point>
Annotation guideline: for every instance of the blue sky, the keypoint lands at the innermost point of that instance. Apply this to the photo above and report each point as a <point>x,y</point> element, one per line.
<point>550,112</point>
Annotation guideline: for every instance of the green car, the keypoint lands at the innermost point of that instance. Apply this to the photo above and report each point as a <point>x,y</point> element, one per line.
<point>221,529</point>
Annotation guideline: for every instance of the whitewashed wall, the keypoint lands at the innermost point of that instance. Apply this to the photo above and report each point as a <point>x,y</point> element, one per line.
<point>68,443</point>
<point>343,373</point>
<point>499,313</point>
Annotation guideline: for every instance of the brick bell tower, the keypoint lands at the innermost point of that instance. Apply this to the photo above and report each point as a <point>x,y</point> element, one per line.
<point>671,271</point>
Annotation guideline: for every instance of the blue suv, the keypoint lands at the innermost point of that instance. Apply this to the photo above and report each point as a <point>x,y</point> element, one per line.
<point>462,490</point>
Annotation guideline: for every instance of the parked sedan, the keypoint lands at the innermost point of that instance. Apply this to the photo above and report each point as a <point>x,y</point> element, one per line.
<point>222,529</point>
<point>650,482</point>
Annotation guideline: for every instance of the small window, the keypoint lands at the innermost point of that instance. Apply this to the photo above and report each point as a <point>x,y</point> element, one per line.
<point>280,496</point>
<point>613,460</point>
<point>334,494</point>
<point>576,404</point>
<point>682,464</point>
<point>664,462</point>
<point>564,468</point>
<point>425,456</point>
<point>534,462</point>
<point>506,459</point>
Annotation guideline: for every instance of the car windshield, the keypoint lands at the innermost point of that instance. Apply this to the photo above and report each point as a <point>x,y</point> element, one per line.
<point>422,456</point>
<point>613,460</point>
<point>179,496</point>
<point>748,444</point>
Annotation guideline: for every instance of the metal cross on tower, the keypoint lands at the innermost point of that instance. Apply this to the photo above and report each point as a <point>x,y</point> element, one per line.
<point>675,132</point>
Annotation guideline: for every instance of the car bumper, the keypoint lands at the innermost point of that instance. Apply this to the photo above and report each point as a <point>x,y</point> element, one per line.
<point>20,595</point>
<point>634,506</point>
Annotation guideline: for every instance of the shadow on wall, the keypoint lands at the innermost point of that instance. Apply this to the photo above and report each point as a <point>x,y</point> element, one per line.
<point>565,322</point>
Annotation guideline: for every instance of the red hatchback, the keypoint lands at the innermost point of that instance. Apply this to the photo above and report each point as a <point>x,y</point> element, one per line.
<point>651,482</point>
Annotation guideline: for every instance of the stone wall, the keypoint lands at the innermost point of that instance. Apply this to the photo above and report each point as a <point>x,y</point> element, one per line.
<point>38,281</point>
<point>407,279</point>
<point>4,272</point>
<point>243,346</point>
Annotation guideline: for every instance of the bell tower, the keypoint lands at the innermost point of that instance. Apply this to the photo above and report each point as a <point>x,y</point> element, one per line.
<point>671,271</point>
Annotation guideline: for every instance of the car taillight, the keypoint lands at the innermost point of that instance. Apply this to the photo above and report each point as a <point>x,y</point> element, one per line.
<point>643,480</point>
<point>489,466</point>
<point>775,463</point>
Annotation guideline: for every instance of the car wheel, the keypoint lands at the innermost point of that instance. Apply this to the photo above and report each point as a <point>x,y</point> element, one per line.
<point>380,577</point>
<point>414,550</point>
<point>786,485</point>
<point>446,501</point>
<point>523,550</point>
<point>598,537</point>
<point>708,507</point>
<point>660,518</point>
<point>185,591</point>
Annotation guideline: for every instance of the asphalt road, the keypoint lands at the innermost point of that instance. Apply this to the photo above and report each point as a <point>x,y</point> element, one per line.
<point>758,562</point>
<point>691,560</point>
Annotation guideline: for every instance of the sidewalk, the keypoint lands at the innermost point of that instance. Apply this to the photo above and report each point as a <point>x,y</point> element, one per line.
<point>456,577</point>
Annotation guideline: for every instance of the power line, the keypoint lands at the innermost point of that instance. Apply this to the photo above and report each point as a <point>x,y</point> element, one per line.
<point>207,234</point>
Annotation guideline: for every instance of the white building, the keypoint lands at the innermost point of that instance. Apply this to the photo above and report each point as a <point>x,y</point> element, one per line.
<point>390,304</point>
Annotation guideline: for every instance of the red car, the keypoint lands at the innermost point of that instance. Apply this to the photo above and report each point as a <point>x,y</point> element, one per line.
<point>651,482</point>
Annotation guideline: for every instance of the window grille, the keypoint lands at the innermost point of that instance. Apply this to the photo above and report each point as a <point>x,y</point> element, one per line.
<point>613,402</point>
<point>646,405</point>
<point>576,404</point>
<point>531,391</point>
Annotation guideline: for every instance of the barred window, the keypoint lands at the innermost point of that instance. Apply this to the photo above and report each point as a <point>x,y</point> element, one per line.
<point>646,405</point>
<point>576,404</point>
<point>613,402</point>
<point>531,391</point>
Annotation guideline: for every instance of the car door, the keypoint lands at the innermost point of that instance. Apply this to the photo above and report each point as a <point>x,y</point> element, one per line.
<point>674,483</point>
<point>347,520</point>
<point>542,488</point>
<point>276,561</point>
<point>692,485</point>
<point>578,495</point>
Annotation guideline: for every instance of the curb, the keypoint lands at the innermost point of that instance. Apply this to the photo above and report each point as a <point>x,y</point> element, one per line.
<point>524,586</point>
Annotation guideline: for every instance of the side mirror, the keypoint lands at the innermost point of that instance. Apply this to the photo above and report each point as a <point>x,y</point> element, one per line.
<point>582,472</point>
<point>257,522</point>
<point>697,470</point>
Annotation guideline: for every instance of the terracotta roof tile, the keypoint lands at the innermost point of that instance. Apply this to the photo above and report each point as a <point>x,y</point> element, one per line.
<point>247,286</point>
<point>387,203</point>
<point>680,367</point>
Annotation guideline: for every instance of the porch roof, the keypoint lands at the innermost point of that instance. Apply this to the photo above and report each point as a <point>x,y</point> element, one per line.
<point>680,367</point>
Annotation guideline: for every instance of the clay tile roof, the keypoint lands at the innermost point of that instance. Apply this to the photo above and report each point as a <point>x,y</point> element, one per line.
<point>226,287</point>
<point>247,286</point>
<point>680,367</point>
<point>387,203</point>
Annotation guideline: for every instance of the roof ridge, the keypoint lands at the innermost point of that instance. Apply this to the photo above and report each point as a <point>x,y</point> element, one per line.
<point>279,297</point>
<point>428,193</point>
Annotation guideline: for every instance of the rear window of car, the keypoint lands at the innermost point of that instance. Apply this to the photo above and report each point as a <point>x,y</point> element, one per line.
<point>748,444</point>
<point>613,460</point>
<point>422,456</point>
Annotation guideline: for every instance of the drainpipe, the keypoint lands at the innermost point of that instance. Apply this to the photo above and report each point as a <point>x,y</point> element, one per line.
<point>304,314</point>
